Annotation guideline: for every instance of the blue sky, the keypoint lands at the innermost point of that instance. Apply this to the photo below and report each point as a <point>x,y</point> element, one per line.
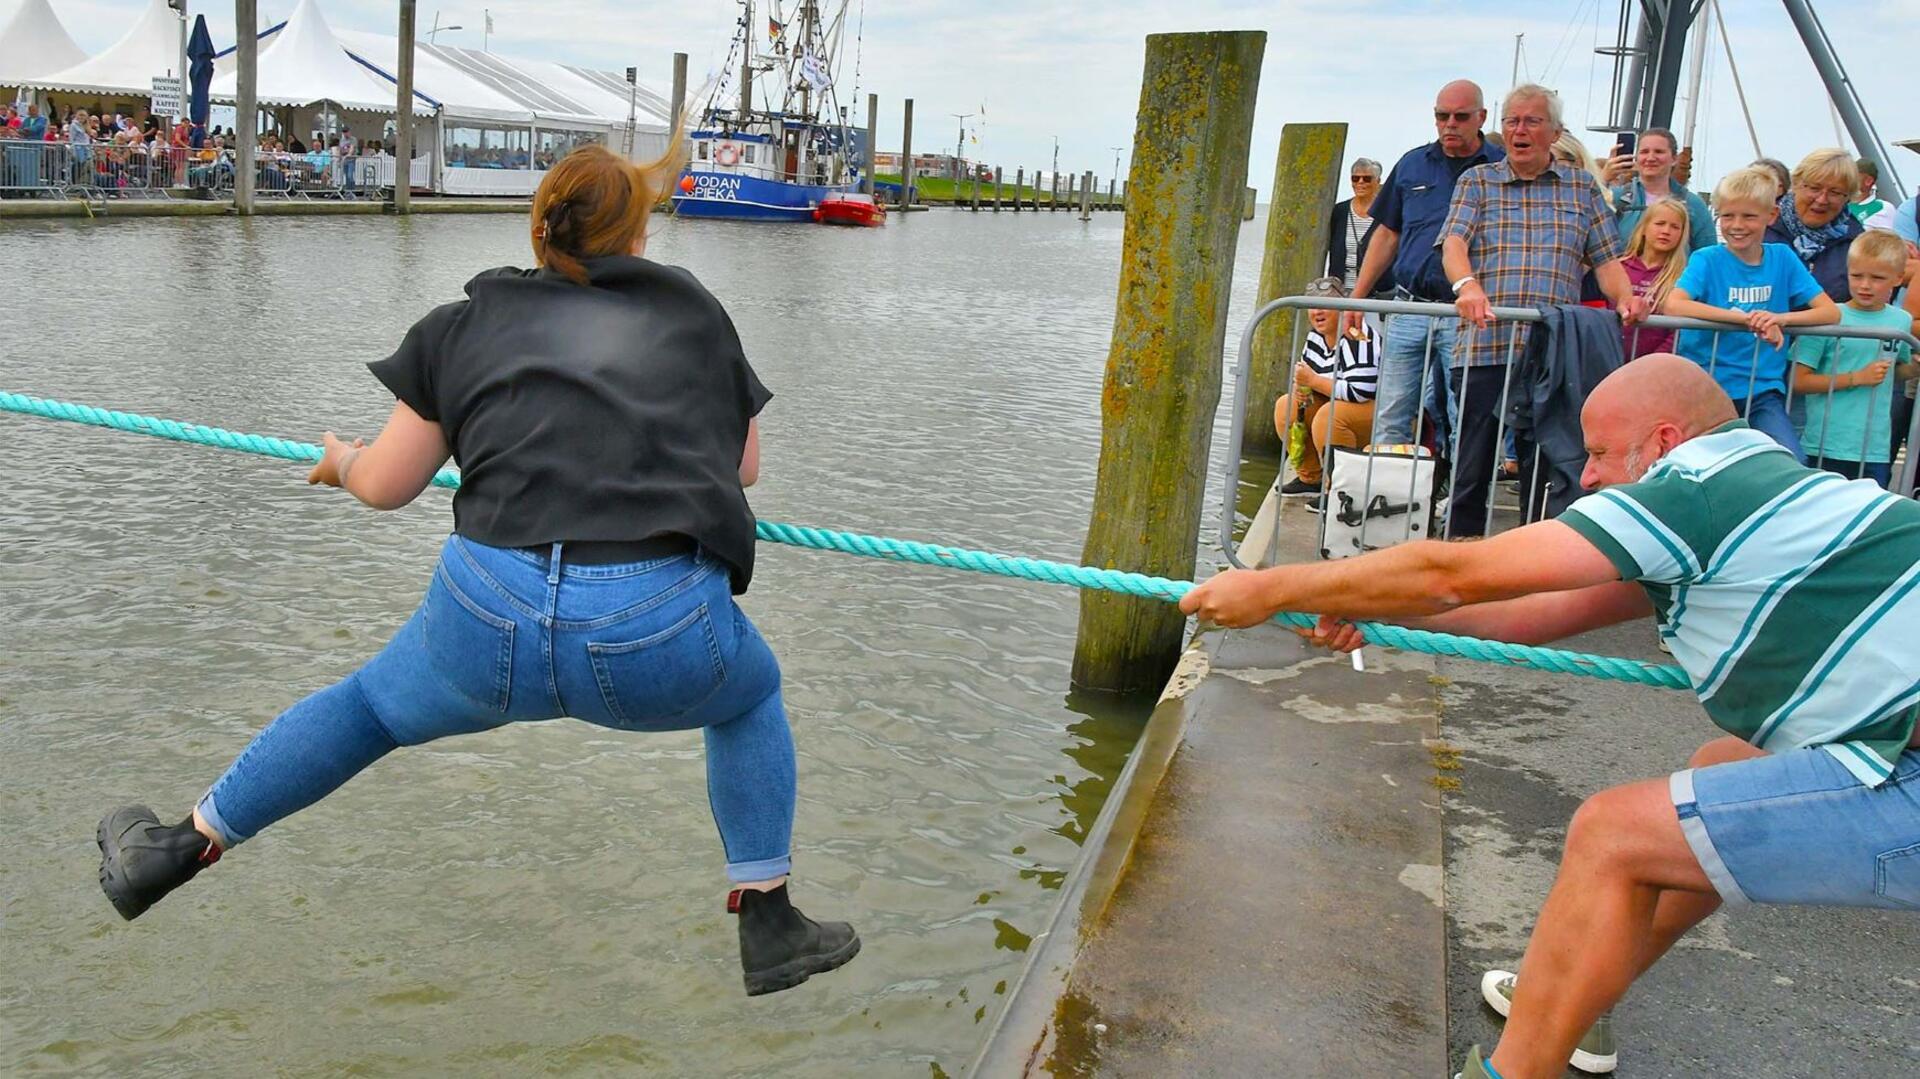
<point>1073,70</point>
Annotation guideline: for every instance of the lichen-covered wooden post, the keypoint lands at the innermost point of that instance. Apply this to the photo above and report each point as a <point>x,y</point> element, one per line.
<point>1306,183</point>
<point>1191,140</point>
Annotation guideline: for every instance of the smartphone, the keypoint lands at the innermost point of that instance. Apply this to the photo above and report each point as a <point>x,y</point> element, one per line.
<point>1623,143</point>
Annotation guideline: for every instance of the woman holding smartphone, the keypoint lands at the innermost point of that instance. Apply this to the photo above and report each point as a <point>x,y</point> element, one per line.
<point>1649,159</point>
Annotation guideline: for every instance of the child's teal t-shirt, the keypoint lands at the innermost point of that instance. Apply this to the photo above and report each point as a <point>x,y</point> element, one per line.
<point>1854,424</point>
<point>1718,277</point>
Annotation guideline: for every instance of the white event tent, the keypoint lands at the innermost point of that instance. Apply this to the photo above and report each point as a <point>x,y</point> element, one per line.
<point>123,74</point>
<point>303,64</point>
<point>497,121</point>
<point>33,43</point>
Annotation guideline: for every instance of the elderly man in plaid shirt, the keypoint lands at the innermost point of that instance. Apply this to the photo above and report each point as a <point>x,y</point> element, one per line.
<point>1519,233</point>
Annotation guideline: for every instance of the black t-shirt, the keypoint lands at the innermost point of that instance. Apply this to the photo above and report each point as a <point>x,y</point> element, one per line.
<point>615,411</point>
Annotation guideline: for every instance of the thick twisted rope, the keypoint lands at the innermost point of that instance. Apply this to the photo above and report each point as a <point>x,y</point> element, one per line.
<point>929,554</point>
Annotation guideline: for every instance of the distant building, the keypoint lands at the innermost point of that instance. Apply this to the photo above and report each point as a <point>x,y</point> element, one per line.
<point>938,166</point>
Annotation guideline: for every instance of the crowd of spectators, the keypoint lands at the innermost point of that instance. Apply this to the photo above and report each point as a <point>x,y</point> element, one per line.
<point>1524,215</point>
<point>123,153</point>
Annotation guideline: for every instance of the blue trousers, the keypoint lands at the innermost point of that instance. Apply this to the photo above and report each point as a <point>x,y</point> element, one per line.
<point>1767,414</point>
<point>1416,348</point>
<point>510,636</point>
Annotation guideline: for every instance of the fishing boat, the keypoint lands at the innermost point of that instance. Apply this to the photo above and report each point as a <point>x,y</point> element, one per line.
<point>779,162</point>
<point>850,208</point>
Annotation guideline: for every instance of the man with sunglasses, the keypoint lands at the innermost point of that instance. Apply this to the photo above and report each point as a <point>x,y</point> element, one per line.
<point>1407,215</point>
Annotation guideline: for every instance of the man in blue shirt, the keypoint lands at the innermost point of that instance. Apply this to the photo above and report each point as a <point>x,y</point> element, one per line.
<point>34,126</point>
<point>1406,231</point>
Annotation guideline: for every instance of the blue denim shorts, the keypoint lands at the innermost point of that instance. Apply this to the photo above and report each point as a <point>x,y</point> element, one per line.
<point>1797,828</point>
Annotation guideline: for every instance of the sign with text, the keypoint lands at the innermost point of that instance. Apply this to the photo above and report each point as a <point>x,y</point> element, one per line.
<point>168,99</point>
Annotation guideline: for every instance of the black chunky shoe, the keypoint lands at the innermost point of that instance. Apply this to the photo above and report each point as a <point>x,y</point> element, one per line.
<point>141,860</point>
<point>781,947</point>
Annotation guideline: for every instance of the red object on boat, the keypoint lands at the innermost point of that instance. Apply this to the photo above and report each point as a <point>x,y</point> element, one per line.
<point>846,208</point>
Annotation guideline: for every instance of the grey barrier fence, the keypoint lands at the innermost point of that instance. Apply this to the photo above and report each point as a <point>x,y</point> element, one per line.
<point>1409,502</point>
<point>103,170</point>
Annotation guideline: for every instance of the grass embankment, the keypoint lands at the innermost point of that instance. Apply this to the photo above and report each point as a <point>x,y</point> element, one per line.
<point>933,189</point>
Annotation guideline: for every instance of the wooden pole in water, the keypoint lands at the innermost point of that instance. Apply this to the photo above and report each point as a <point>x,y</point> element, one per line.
<point>1306,184</point>
<point>975,170</point>
<point>873,145</point>
<point>1191,140</point>
<point>403,115</point>
<point>998,192</point>
<point>1019,186</point>
<point>1111,205</point>
<point>1086,196</point>
<point>1249,204</point>
<point>677,118</point>
<point>906,156</point>
<point>246,20</point>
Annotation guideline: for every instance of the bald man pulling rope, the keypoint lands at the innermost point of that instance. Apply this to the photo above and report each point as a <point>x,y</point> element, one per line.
<point>1790,596</point>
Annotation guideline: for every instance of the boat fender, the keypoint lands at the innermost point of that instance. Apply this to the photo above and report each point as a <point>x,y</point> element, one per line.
<point>726,154</point>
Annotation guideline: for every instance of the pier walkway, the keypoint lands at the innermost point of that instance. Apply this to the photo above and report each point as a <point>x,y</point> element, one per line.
<point>1265,893</point>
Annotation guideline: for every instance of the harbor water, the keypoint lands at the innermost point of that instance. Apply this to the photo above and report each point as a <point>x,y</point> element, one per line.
<point>547,897</point>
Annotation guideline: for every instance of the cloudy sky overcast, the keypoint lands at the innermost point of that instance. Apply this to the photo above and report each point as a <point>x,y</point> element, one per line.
<point>1043,68</point>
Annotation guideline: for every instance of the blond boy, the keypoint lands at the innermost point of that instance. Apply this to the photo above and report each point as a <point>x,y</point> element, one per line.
<point>1850,383</point>
<point>1761,286</point>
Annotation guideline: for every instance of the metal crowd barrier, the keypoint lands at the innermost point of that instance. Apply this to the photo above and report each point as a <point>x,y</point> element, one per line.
<point>1411,507</point>
<point>96,170</point>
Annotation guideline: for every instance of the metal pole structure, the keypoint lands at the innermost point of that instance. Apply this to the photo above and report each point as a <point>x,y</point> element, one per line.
<point>1738,91</point>
<point>1845,98</point>
<point>906,156</point>
<point>1696,67</point>
<point>633,108</point>
<point>1627,112</point>
<point>873,143</point>
<point>1514,80</point>
<point>403,116</point>
<point>182,112</point>
<point>959,145</point>
<point>246,27</point>
<point>1668,62</point>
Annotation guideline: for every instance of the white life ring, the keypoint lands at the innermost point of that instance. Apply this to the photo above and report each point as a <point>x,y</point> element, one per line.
<point>726,154</point>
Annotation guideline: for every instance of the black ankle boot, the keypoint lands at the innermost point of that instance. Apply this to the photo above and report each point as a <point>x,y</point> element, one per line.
<point>142,860</point>
<point>781,947</point>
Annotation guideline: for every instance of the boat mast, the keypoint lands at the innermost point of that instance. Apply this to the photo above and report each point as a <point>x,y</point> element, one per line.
<point>746,64</point>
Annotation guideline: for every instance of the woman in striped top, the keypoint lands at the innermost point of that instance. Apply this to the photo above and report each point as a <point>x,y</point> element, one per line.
<point>1334,385</point>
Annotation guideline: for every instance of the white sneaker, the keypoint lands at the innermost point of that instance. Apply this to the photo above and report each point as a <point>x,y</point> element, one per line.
<point>1597,1054</point>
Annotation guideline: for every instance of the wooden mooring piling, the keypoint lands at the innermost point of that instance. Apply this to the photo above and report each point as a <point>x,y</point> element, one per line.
<point>1191,139</point>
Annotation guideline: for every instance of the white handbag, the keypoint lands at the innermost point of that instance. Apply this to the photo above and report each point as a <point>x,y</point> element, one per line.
<point>1376,498</point>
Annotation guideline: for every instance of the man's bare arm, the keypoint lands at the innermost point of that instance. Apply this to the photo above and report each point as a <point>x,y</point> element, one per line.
<point>1412,580</point>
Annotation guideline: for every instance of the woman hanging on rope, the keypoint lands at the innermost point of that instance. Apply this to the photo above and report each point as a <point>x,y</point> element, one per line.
<point>602,414</point>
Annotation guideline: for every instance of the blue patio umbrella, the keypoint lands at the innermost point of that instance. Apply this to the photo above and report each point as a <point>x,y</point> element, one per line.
<point>199,77</point>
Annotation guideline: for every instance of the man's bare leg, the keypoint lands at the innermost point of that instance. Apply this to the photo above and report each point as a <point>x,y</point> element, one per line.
<point>1596,932</point>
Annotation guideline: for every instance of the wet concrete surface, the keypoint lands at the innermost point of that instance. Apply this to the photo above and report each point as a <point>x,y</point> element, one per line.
<point>1281,912</point>
<point>1769,992</point>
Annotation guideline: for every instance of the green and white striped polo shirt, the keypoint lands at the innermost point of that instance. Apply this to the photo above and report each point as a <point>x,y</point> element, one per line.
<point>1791,596</point>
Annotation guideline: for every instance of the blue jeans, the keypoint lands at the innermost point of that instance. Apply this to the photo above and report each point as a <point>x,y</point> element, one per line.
<point>1404,355</point>
<point>1879,472</point>
<point>1798,828</point>
<point>509,636</point>
<point>1767,414</point>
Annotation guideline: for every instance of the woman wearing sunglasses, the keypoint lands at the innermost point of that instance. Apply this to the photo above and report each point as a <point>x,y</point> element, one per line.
<point>1352,223</point>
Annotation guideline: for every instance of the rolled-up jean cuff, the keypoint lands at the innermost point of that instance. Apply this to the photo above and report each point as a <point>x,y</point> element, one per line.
<point>1680,789</point>
<point>211,815</point>
<point>764,869</point>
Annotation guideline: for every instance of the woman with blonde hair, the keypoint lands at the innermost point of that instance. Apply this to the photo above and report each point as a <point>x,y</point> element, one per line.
<point>1813,218</point>
<point>602,413</point>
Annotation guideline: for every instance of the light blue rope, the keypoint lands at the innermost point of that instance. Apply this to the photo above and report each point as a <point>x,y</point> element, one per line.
<point>899,550</point>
